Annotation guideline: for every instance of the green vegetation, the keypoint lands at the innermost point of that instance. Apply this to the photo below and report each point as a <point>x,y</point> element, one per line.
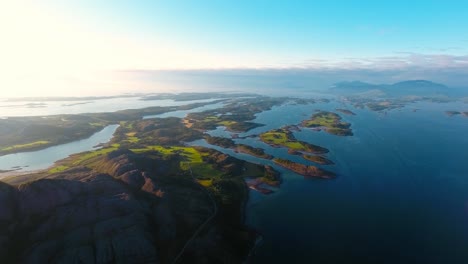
<point>229,143</point>
<point>58,169</point>
<point>81,159</point>
<point>61,129</point>
<point>331,122</point>
<point>284,138</point>
<point>235,116</point>
<point>26,146</point>
<point>19,134</point>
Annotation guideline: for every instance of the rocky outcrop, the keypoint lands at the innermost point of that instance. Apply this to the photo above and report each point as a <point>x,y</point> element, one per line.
<point>66,221</point>
<point>130,214</point>
<point>318,159</point>
<point>8,217</point>
<point>305,170</point>
<point>120,164</point>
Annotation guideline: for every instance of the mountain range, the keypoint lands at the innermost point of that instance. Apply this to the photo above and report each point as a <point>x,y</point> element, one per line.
<point>404,88</point>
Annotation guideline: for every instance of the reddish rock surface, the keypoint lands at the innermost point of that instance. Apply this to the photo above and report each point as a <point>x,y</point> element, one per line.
<point>305,170</point>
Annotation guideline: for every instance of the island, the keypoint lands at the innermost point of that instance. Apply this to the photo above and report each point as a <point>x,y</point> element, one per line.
<point>345,111</point>
<point>257,152</point>
<point>305,170</point>
<point>330,122</point>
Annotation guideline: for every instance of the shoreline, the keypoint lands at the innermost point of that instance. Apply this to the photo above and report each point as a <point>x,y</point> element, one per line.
<point>16,173</point>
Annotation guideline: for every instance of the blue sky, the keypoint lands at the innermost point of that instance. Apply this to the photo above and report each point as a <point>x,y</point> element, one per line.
<point>292,31</point>
<point>42,40</point>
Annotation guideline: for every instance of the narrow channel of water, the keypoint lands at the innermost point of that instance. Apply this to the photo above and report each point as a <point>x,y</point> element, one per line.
<point>183,113</point>
<point>42,159</point>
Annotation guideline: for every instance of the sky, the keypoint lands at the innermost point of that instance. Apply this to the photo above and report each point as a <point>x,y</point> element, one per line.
<point>88,46</point>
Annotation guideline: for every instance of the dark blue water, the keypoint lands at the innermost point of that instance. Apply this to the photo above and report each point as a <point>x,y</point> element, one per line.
<point>401,195</point>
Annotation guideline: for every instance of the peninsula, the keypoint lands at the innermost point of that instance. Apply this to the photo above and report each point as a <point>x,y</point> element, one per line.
<point>305,170</point>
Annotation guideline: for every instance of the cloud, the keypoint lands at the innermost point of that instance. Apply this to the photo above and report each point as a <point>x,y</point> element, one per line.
<point>402,61</point>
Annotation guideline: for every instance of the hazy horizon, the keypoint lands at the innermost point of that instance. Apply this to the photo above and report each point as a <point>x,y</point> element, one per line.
<point>113,47</point>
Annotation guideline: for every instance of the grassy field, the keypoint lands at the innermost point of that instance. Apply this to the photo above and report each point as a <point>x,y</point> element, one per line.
<point>331,122</point>
<point>58,169</point>
<point>325,119</point>
<point>281,138</point>
<point>26,146</point>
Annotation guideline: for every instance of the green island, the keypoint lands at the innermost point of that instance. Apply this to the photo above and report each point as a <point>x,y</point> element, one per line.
<point>330,122</point>
<point>284,138</point>
<point>305,170</point>
<point>318,159</point>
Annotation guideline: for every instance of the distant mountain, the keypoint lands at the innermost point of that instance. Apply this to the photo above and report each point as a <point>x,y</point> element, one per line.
<point>405,88</point>
<point>416,87</point>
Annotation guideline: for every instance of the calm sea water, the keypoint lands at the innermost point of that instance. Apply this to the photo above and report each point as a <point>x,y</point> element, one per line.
<point>401,195</point>
<point>42,159</point>
<point>42,108</point>
<point>183,113</point>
